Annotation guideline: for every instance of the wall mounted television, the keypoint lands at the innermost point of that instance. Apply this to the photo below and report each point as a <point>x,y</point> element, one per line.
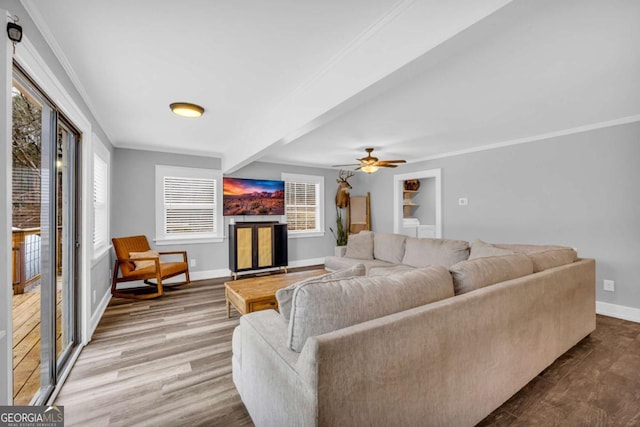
<point>243,196</point>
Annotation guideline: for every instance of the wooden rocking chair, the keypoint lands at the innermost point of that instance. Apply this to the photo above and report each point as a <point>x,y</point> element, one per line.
<point>135,250</point>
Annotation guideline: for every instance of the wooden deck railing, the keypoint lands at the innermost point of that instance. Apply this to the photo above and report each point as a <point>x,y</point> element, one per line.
<point>26,258</point>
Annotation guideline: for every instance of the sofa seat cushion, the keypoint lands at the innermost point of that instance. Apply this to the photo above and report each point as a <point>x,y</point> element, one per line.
<point>480,249</point>
<point>421,252</point>
<point>389,247</point>
<point>544,256</point>
<point>360,246</point>
<point>325,307</point>
<point>386,271</point>
<point>285,295</point>
<point>480,272</point>
<point>167,269</point>
<point>340,263</point>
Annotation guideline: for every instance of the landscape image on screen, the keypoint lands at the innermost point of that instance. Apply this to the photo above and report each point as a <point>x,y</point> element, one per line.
<point>243,196</point>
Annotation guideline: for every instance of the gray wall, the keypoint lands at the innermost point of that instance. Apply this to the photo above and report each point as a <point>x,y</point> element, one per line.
<point>426,197</point>
<point>579,190</point>
<point>134,202</point>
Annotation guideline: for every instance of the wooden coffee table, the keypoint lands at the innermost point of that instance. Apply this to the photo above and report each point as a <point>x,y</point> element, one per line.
<point>259,293</point>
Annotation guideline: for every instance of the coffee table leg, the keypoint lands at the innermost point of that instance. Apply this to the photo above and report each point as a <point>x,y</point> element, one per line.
<point>228,309</point>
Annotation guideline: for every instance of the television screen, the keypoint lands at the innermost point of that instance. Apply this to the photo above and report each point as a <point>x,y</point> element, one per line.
<point>243,196</point>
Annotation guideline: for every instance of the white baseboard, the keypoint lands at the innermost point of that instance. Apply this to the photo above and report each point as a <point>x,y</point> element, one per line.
<point>95,318</point>
<point>618,311</point>
<point>225,272</point>
<point>210,274</point>
<point>306,262</point>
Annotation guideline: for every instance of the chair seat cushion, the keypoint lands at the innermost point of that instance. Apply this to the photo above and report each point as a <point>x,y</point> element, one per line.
<point>144,263</point>
<point>167,269</point>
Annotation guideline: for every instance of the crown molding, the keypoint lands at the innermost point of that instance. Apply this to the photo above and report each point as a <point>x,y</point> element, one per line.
<point>41,24</point>
<point>535,138</point>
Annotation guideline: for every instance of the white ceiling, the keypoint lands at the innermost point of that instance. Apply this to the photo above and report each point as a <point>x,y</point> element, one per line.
<point>315,82</point>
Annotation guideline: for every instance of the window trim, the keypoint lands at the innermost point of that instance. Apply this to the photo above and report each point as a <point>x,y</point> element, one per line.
<point>101,152</point>
<point>308,179</point>
<point>187,172</point>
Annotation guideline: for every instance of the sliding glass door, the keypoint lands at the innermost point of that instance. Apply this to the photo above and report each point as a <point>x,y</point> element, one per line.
<point>45,211</point>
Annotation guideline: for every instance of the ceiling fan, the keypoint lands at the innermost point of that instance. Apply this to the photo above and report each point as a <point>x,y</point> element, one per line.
<point>370,164</point>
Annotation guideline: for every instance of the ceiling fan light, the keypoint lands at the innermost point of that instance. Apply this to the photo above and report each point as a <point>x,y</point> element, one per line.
<point>369,168</point>
<point>186,109</point>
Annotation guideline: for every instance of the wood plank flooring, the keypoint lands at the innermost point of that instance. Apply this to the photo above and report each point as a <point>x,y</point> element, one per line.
<point>167,362</point>
<point>26,343</point>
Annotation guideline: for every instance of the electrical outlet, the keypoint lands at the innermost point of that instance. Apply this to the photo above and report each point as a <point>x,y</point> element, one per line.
<point>463,201</point>
<point>609,285</point>
<point>193,262</point>
<point>94,296</point>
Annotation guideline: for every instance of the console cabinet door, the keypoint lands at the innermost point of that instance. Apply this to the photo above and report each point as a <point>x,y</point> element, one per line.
<point>265,246</point>
<point>254,246</point>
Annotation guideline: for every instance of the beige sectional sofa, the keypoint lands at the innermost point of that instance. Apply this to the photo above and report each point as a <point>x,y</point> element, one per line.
<point>418,332</point>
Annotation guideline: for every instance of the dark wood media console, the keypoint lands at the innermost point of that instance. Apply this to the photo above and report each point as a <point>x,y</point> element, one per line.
<point>256,246</point>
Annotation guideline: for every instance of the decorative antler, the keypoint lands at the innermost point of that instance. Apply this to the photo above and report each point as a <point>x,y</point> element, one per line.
<point>342,195</point>
<point>345,175</point>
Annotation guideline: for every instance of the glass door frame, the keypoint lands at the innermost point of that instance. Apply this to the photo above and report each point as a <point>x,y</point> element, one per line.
<point>71,323</point>
<point>52,366</point>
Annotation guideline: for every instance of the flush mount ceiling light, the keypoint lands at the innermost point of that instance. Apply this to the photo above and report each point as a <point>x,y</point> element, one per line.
<point>186,109</point>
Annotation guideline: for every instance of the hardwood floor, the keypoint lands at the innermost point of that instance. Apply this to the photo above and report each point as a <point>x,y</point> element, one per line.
<point>168,362</point>
<point>26,343</point>
<point>165,361</point>
<point>596,383</point>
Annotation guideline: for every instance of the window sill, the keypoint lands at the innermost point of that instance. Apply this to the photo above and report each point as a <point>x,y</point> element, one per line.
<point>188,241</point>
<point>100,254</point>
<point>302,235</point>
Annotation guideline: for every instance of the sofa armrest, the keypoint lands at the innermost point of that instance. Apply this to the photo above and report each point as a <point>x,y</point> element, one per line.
<point>269,385</point>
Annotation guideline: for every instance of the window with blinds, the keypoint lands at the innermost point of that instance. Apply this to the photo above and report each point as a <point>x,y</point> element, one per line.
<point>304,195</point>
<point>100,197</point>
<point>188,205</point>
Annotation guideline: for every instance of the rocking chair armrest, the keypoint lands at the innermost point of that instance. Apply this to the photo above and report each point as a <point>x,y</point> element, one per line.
<point>156,259</point>
<point>121,260</point>
<point>183,253</point>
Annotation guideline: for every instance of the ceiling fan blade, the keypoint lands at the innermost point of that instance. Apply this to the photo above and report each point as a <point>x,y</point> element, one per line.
<point>387,166</point>
<point>339,166</point>
<point>385,162</point>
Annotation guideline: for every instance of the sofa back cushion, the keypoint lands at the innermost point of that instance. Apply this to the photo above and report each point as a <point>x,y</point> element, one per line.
<point>421,252</point>
<point>319,308</point>
<point>360,246</point>
<point>480,249</point>
<point>389,247</point>
<point>285,295</point>
<point>480,272</point>
<point>544,256</point>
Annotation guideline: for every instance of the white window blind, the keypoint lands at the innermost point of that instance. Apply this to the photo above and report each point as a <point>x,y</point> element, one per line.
<point>303,203</point>
<point>301,206</point>
<point>100,202</point>
<point>189,205</point>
